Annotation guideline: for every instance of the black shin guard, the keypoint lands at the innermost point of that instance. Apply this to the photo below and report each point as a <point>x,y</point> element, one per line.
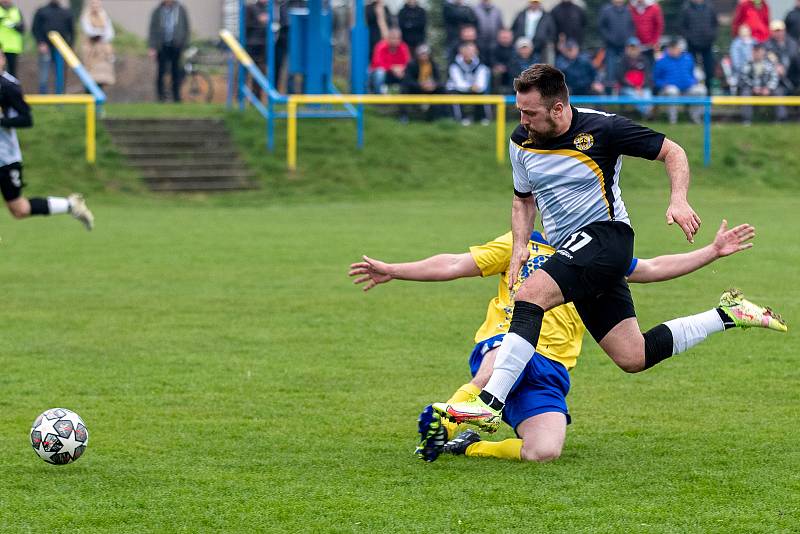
<point>657,345</point>
<point>39,206</point>
<point>526,321</point>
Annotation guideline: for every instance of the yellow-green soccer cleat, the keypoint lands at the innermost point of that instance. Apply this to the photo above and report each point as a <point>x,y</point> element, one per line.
<point>473,412</point>
<point>746,314</point>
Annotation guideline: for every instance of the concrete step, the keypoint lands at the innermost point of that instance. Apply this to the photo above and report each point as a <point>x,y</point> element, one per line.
<point>171,137</point>
<point>181,155</point>
<point>196,174</point>
<point>175,144</point>
<point>204,185</point>
<point>168,162</point>
<point>164,124</point>
<point>145,153</point>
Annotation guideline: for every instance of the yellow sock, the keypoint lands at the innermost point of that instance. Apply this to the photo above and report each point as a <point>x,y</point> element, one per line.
<point>508,449</point>
<point>462,394</point>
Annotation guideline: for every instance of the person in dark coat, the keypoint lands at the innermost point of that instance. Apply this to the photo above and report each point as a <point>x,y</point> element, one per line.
<point>168,36</point>
<point>51,17</point>
<point>570,21</point>
<point>456,15</point>
<point>792,22</point>
<point>616,27</point>
<point>536,24</point>
<point>379,18</point>
<point>412,20</point>
<point>698,25</point>
<point>422,78</point>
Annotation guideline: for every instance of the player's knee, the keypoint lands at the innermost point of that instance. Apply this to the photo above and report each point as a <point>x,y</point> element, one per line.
<point>540,452</point>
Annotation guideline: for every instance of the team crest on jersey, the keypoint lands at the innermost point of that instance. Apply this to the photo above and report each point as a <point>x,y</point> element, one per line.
<point>584,141</point>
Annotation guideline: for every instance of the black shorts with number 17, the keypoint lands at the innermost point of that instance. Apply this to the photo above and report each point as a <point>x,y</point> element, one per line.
<point>590,268</point>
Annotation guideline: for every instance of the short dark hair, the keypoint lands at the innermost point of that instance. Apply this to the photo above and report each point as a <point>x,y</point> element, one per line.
<point>547,80</point>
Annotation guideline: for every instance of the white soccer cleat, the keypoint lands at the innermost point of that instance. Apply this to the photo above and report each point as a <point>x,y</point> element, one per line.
<point>79,210</point>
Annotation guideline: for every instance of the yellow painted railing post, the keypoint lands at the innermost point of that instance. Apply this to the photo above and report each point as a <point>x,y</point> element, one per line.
<point>91,133</point>
<point>291,134</point>
<point>500,115</point>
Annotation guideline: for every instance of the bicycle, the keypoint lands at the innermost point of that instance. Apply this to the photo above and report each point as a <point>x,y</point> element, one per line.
<point>198,85</point>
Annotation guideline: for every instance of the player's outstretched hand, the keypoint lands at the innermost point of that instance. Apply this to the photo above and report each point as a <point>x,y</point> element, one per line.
<point>729,242</point>
<point>371,272</point>
<point>519,257</point>
<point>683,214</point>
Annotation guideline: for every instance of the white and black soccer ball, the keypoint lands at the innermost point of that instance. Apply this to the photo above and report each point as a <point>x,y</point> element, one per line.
<point>59,436</point>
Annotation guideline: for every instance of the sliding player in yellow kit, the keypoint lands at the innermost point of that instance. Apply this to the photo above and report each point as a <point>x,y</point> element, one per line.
<point>537,407</point>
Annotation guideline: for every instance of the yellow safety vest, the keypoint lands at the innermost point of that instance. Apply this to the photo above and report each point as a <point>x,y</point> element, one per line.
<point>10,39</point>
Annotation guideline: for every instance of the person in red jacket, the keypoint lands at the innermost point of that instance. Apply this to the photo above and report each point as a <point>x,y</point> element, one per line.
<point>649,23</point>
<point>389,60</point>
<point>755,15</point>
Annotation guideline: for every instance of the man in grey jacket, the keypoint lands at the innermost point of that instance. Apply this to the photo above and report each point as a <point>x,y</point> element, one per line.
<point>168,36</point>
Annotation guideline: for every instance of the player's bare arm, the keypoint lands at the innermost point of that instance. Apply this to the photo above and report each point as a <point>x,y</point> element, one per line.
<point>523,216</point>
<point>679,210</point>
<point>726,242</point>
<point>438,268</point>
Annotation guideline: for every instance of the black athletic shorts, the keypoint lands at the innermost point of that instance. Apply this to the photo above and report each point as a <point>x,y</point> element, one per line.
<point>590,268</point>
<point>11,183</point>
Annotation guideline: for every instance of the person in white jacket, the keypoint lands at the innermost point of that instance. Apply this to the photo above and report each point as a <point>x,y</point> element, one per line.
<point>468,76</point>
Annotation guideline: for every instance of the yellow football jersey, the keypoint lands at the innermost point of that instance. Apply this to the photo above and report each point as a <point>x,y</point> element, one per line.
<point>562,331</point>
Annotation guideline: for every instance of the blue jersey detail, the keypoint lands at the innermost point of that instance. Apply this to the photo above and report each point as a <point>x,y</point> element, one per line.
<point>634,262</point>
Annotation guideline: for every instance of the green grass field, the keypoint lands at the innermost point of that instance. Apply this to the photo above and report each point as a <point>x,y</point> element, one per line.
<point>234,380</point>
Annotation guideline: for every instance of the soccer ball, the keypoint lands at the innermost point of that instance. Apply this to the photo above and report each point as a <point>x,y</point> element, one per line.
<point>59,436</point>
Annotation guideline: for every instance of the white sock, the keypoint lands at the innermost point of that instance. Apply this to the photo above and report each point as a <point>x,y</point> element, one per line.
<point>513,356</point>
<point>58,205</point>
<point>689,331</point>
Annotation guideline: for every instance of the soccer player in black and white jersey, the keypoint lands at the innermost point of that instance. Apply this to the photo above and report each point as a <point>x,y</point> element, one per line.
<point>17,114</point>
<point>566,165</point>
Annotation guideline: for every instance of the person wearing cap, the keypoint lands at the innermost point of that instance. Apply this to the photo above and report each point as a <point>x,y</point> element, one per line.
<point>422,77</point>
<point>698,25</point>
<point>580,75</point>
<point>635,76</point>
<point>755,14</point>
<point>536,24</point>
<point>616,27</point>
<point>648,20</point>
<point>760,78</point>
<point>523,56</point>
<point>673,75</point>
<point>783,52</point>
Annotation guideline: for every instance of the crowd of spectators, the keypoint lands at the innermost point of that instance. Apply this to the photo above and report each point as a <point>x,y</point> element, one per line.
<point>635,58</point>
<point>481,53</point>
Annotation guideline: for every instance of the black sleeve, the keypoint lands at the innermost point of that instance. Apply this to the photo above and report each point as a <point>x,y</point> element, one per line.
<point>12,98</point>
<point>37,28</point>
<point>631,139</point>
